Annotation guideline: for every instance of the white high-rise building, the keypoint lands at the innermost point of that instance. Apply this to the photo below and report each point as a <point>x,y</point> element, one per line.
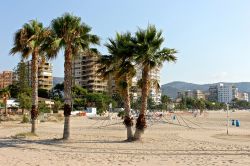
<point>243,96</point>
<point>226,93</point>
<point>154,91</point>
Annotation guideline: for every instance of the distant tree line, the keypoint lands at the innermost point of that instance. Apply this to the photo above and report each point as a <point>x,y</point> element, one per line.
<point>239,104</point>
<point>82,98</point>
<point>201,104</point>
<point>192,103</point>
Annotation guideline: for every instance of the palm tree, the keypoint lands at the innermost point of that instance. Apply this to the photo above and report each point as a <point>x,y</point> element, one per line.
<point>119,64</point>
<point>149,55</point>
<point>5,94</point>
<point>69,33</point>
<point>29,41</point>
<point>165,99</point>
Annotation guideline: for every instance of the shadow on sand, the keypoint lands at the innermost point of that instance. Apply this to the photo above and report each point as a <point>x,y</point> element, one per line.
<point>80,146</point>
<point>15,142</point>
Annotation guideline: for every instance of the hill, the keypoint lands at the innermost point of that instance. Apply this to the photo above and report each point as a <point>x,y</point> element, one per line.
<point>57,80</point>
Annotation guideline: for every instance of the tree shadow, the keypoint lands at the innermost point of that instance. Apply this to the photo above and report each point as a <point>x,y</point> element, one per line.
<point>60,145</point>
<point>17,142</point>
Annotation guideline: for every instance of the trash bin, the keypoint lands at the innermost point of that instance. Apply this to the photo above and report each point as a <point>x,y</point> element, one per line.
<point>233,122</point>
<point>174,117</point>
<point>237,123</point>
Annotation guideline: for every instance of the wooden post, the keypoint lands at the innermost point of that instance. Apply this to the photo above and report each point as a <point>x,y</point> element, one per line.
<point>227,117</point>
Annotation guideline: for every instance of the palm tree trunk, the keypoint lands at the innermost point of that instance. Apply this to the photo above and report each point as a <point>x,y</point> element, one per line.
<point>201,111</point>
<point>5,105</point>
<point>67,92</point>
<point>128,120</point>
<point>141,120</point>
<point>34,76</point>
<point>110,88</point>
<point>5,108</point>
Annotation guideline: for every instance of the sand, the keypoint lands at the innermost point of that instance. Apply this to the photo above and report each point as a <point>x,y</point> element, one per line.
<point>198,141</point>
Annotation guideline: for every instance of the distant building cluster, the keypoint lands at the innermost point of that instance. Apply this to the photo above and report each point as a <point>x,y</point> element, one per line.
<point>45,77</point>
<point>226,93</point>
<point>198,94</point>
<point>84,74</point>
<point>6,79</point>
<point>218,93</point>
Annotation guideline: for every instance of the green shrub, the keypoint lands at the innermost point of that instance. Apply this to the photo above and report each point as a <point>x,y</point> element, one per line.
<point>121,114</point>
<point>42,107</point>
<point>25,119</point>
<point>56,107</point>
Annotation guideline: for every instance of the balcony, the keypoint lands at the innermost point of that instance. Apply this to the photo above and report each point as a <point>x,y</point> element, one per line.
<point>45,74</point>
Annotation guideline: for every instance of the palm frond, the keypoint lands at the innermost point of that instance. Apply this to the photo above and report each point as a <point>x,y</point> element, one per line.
<point>32,35</point>
<point>69,31</point>
<point>148,48</point>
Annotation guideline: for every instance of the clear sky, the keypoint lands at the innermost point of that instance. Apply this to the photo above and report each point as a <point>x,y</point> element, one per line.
<point>212,36</point>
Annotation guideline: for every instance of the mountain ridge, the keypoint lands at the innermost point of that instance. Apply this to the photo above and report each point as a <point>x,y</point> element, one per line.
<point>57,80</point>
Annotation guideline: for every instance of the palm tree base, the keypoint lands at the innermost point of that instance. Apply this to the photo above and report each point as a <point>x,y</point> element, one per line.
<point>66,131</point>
<point>34,115</point>
<point>129,140</point>
<point>129,133</point>
<point>33,126</point>
<point>67,113</point>
<point>138,135</point>
<point>67,110</point>
<point>128,121</point>
<point>140,127</point>
<point>34,112</point>
<point>141,122</point>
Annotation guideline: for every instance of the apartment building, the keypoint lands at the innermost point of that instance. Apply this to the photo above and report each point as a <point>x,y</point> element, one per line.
<point>45,76</point>
<point>154,91</point>
<point>14,76</point>
<point>84,73</point>
<point>189,93</point>
<point>243,96</point>
<point>213,93</point>
<point>5,79</point>
<point>235,92</point>
<point>197,94</point>
<point>180,94</point>
<point>226,93</point>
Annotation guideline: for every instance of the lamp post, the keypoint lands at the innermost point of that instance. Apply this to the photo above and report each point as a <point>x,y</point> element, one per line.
<point>5,104</point>
<point>50,95</point>
<point>227,117</point>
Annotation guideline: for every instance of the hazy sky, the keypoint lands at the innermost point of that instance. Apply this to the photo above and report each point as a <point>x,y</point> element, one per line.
<point>212,36</point>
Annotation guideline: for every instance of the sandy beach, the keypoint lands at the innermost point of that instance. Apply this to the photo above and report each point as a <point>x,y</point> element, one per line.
<point>185,140</point>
